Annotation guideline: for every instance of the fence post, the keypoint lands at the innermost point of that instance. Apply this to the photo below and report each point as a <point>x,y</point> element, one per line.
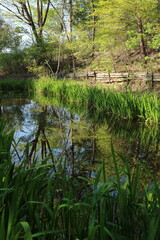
<point>87,75</point>
<point>128,78</point>
<point>95,76</point>
<point>109,77</point>
<point>152,79</point>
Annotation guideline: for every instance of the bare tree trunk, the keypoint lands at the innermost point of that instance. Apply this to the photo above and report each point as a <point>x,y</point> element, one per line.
<point>143,44</point>
<point>71,30</point>
<point>93,28</point>
<point>59,55</point>
<point>70,18</point>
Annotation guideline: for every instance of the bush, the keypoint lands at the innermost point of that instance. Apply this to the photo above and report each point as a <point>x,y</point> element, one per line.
<point>13,62</point>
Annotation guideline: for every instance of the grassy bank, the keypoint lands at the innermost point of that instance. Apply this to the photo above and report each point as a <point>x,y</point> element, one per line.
<point>143,107</point>
<point>42,201</point>
<point>10,84</point>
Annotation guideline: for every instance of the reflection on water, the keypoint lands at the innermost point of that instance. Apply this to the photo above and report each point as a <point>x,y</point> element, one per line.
<point>79,138</point>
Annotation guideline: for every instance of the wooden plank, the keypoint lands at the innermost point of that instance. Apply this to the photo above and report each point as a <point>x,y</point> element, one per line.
<point>102,75</point>
<point>81,74</point>
<point>120,80</point>
<point>114,80</point>
<point>105,81</point>
<point>138,74</point>
<point>70,75</point>
<point>156,80</point>
<point>91,74</point>
<point>102,78</point>
<point>156,75</point>
<point>118,75</point>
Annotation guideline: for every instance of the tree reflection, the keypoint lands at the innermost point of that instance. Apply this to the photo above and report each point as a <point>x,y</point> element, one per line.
<point>12,110</point>
<point>61,137</point>
<point>40,142</point>
<point>79,142</point>
<point>1,111</point>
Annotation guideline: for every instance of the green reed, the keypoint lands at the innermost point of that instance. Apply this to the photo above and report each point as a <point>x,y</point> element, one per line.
<point>145,107</point>
<point>45,202</point>
<point>16,84</point>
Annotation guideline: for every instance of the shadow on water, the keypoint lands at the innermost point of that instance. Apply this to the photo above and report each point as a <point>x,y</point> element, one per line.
<point>78,137</point>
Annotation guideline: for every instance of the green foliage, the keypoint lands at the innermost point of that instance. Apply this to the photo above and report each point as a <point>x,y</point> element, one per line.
<point>133,41</point>
<point>10,37</point>
<point>155,42</point>
<point>105,35</point>
<point>37,53</point>
<point>6,138</point>
<point>125,25</point>
<point>16,85</point>
<point>12,63</point>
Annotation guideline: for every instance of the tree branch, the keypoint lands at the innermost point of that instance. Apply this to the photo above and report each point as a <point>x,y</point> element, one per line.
<point>22,19</point>
<point>29,7</point>
<point>46,14</point>
<point>61,19</point>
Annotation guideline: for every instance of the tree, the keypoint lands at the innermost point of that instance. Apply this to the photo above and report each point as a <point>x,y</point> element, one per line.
<point>34,15</point>
<point>10,54</point>
<point>9,37</point>
<point>67,25</point>
<point>124,25</point>
<point>140,16</point>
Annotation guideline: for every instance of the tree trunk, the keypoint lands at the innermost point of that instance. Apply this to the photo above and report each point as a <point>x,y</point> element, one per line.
<point>143,44</point>
<point>93,28</point>
<point>70,18</point>
<point>71,30</point>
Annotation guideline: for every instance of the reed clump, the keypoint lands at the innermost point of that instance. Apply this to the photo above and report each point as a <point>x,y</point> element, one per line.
<point>138,106</point>
<point>16,85</point>
<point>42,201</point>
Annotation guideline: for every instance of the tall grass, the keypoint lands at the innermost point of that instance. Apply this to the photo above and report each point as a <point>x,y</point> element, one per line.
<point>145,107</point>
<point>16,85</point>
<point>40,203</point>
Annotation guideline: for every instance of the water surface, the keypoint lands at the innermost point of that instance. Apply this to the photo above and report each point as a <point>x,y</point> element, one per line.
<point>78,138</point>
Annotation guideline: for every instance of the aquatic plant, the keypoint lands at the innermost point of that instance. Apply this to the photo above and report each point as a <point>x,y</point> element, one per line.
<point>10,84</point>
<point>145,107</point>
<point>43,201</point>
<point>137,106</point>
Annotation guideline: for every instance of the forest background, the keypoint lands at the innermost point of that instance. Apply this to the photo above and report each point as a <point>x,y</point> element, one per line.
<point>59,36</point>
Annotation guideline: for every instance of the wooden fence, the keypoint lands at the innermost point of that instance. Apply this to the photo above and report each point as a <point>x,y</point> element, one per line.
<point>116,77</point>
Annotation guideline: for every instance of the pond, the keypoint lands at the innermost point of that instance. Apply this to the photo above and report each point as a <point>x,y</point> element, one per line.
<point>78,138</point>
